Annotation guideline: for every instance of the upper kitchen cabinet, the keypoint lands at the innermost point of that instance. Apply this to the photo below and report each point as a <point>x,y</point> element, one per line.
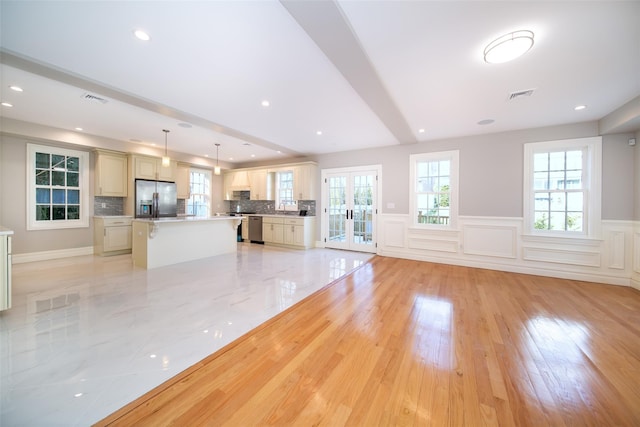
<point>305,181</point>
<point>258,185</point>
<point>111,174</point>
<point>183,180</point>
<point>151,168</point>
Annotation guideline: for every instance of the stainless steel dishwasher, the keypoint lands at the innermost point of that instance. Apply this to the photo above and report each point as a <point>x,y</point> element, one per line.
<point>255,229</point>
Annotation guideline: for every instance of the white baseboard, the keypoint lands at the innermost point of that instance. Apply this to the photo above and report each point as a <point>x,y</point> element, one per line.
<point>47,255</point>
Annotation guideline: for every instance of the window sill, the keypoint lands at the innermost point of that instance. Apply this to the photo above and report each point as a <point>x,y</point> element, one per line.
<point>581,241</point>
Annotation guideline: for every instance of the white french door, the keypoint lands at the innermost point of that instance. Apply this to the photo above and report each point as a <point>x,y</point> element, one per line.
<point>350,208</point>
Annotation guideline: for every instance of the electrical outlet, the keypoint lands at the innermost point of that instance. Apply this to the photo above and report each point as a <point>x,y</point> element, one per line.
<point>103,205</point>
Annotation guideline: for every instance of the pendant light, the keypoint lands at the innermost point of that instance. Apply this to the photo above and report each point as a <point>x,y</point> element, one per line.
<point>216,170</point>
<point>166,161</point>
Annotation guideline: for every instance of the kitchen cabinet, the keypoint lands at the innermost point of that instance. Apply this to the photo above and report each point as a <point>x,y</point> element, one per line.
<point>145,167</point>
<point>272,230</point>
<point>305,181</point>
<point>295,232</point>
<point>258,184</point>
<point>112,235</point>
<point>110,174</point>
<point>227,180</point>
<point>245,228</point>
<point>183,180</point>
<point>5,268</point>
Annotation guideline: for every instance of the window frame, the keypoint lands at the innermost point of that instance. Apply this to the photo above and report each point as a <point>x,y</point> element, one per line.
<point>83,187</point>
<point>592,186</point>
<point>278,191</point>
<point>453,156</point>
<point>192,193</point>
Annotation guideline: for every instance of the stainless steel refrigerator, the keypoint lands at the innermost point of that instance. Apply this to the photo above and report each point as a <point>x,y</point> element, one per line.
<point>156,199</point>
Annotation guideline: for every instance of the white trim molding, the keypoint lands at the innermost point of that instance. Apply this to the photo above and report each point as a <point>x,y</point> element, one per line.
<point>47,255</point>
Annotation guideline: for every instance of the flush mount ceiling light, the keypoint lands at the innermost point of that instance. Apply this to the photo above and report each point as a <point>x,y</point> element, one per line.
<point>141,35</point>
<point>508,47</point>
<point>166,161</point>
<point>216,170</point>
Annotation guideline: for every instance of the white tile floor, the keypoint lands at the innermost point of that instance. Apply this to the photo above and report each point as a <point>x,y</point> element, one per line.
<point>87,335</point>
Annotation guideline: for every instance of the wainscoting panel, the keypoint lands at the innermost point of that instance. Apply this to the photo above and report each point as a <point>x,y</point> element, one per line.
<point>490,240</point>
<point>393,233</point>
<point>589,259</point>
<point>616,249</point>
<point>498,243</point>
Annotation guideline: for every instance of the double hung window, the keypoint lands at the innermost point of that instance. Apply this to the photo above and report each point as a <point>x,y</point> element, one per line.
<point>434,199</point>
<point>562,187</point>
<point>199,204</point>
<point>284,189</point>
<point>57,187</point>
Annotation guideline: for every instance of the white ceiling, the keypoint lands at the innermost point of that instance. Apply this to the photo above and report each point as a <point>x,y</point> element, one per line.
<point>365,73</point>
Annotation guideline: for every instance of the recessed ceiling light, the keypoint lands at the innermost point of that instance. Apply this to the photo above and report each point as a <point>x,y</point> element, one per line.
<point>16,88</point>
<point>78,395</point>
<point>185,125</point>
<point>265,103</point>
<point>6,104</point>
<point>230,158</point>
<point>508,47</point>
<point>486,122</point>
<point>141,35</point>
<point>580,107</point>
<point>79,129</point>
<point>253,155</point>
<point>318,132</point>
<point>279,152</point>
<point>420,130</point>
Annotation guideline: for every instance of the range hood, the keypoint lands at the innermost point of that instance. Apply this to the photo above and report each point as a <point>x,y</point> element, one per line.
<point>240,181</point>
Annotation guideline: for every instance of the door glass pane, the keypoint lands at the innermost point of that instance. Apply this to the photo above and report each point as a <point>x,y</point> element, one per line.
<point>337,208</point>
<point>363,209</point>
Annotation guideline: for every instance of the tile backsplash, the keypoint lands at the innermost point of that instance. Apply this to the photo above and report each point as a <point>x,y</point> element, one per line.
<point>112,206</point>
<point>269,207</point>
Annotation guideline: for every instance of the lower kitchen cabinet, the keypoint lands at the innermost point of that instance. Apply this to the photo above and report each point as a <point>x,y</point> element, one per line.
<point>112,235</point>
<point>5,269</point>
<point>294,232</point>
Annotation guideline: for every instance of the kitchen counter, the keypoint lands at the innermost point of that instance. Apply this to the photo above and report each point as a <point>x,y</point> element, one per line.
<point>166,241</point>
<point>5,231</point>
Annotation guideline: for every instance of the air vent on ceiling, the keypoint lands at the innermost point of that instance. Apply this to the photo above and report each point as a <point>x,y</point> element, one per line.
<point>95,98</point>
<point>520,94</point>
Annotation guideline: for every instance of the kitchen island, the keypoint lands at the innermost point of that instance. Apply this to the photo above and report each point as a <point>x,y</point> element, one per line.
<point>166,241</point>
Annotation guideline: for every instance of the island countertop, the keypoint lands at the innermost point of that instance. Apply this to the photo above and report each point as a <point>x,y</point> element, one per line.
<point>187,219</point>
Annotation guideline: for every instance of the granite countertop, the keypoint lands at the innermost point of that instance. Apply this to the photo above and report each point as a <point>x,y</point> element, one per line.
<point>113,216</point>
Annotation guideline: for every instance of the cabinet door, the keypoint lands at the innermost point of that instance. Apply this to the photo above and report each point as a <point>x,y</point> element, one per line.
<point>117,238</point>
<point>111,175</point>
<point>145,167</point>
<point>227,190</point>
<point>278,233</point>
<point>267,232</point>
<point>183,181</point>
<point>304,182</point>
<point>166,173</point>
<point>298,235</point>
<point>245,229</point>
<point>258,183</point>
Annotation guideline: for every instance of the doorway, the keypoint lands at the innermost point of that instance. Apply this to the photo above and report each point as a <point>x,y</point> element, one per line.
<point>350,208</point>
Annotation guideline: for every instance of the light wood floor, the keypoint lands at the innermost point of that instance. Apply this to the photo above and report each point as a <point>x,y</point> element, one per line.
<point>403,342</point>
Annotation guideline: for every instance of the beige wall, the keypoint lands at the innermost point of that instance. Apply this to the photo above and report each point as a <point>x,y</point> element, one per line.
<point>636,177</point>
<point>13,204</point>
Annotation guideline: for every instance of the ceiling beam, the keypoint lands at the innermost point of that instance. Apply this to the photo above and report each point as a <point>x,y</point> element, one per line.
<point>327,26</point>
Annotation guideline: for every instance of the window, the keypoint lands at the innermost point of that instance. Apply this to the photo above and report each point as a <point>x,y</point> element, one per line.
<point>284,189</point>
<point>57,187</point>
<point>434,199</point>
<point>199,204</point>
<point>562,187</point>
